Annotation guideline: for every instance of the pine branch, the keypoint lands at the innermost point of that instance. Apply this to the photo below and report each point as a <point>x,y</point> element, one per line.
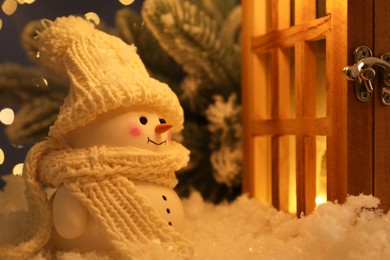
<point>231,28</point>
<point>129,25</point>
<point>33,120</point>
<point>196,94</point>
<point>132,30</point>
<point>224,121</point>
<point>199,174</point>
<point>29,35</point>
<point>19,84</point>
<point>218,9</point>
<point>191,37</point>
<point>230,34</point>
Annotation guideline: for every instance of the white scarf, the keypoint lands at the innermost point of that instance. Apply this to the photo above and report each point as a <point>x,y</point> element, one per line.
<point>101,178</point>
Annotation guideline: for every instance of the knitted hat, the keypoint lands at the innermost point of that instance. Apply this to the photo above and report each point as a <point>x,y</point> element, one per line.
<point>105,74</point>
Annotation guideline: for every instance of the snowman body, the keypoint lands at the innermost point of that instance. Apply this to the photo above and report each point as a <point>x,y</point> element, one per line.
<point>74,227</point>
<point>165,201</point>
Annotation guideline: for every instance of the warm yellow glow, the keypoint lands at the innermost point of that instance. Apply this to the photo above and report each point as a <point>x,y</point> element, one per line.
<point>18,169</point>
<point>126,2</point>
<point>321,189</point>
<point>1,23</point>
<point>1,156</point>
<point>292,193</point>
<point>29,1</point>
<point>262,189</point>
<point>7,116</point>
<point>9,7</point>
<point>92,17</point>
<point>321,186</point>
<point>321,199</point>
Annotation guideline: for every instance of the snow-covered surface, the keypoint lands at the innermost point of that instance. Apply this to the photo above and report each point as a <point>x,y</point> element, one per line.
<point>246,229</point>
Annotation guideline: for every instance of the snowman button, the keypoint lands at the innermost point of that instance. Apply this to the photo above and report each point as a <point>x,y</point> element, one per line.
<point>168,209</point>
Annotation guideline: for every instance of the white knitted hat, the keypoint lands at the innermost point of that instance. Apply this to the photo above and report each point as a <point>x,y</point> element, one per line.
<point>105,74</point>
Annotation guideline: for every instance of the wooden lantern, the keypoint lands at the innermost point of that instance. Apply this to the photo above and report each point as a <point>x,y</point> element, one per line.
<point>288,117</point>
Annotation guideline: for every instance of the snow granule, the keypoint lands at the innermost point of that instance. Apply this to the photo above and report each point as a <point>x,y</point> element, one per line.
<point>247,229</point>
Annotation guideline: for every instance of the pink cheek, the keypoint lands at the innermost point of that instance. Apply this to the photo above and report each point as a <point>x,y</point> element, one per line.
<point>169,136</point>
<point>135,131</point>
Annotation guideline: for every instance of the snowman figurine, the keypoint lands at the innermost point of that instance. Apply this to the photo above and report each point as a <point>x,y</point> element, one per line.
<point>109,154</point>
<point>135,127</point>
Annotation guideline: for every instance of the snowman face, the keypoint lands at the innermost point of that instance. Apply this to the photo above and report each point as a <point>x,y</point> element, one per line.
<point>137,127</point>
<point>147,130</point>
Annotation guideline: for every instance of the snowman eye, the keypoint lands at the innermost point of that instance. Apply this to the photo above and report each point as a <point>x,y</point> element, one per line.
<point>162,121</point>
<point>143,120</point>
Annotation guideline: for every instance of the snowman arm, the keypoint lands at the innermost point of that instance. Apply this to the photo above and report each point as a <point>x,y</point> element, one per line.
<point>70,217</point>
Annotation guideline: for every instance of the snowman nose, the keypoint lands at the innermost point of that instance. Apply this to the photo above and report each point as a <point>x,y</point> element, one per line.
<point>162,128</point>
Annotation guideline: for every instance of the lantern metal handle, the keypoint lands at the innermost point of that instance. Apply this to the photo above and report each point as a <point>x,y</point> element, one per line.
<point>364,74</point>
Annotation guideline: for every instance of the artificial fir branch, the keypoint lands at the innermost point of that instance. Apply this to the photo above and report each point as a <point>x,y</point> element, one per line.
<point>29,36</point>
<point>218,9</point>
<point>19,84</point>
<point>34,119</point>
<point>37,94</point>
<point>129,25</point>
<point>224,125</point>
<point>197,94</point>
<point>230,31</point>
<point>230,34</point>
<point>191,37</point>
<point>132,30</point>
<point>224,121</point>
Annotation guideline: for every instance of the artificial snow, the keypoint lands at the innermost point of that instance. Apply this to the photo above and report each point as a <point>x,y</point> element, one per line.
<point>247,229</point>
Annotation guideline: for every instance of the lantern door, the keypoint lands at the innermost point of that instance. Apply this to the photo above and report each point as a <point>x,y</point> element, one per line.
<point>307,138</point>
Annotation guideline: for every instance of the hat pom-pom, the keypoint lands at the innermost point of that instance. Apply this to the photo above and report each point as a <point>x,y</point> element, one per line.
<point>57,38</point>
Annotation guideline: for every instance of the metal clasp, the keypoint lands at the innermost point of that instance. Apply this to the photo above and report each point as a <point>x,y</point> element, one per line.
<point>364,74</point>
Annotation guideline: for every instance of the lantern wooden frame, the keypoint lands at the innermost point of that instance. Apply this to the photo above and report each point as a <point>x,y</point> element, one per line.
<point>351,129</point>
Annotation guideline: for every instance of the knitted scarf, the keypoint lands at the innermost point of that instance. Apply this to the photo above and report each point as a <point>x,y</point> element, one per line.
<point>101,178</point>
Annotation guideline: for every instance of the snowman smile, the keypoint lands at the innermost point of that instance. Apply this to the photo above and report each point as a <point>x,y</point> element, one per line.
<point>153,142</point>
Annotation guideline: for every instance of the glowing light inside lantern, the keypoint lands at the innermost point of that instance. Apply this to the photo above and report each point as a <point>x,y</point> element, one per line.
<point>18,169</point>
<point>321,173</point>
<point>1,156</point>
<point>7,116</point>
<point>1,23</point>
<point>29,1</point>
<point>9,7</point>
<point>126,2</point>
<point>320,200</point>
<point>92,17</point>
